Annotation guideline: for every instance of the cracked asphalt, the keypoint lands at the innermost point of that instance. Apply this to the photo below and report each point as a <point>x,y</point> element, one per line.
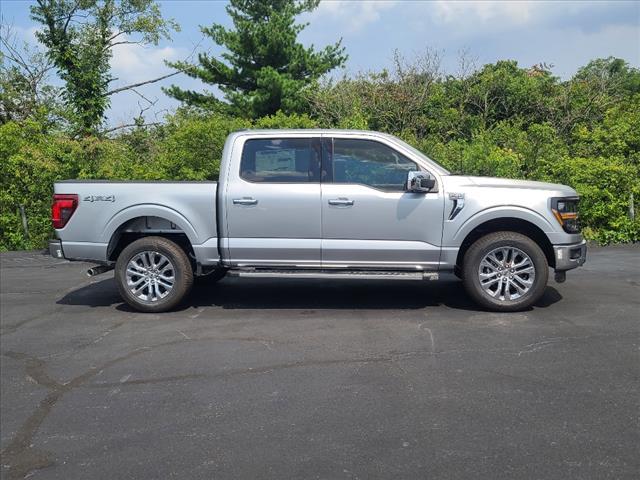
<point>306,379</point>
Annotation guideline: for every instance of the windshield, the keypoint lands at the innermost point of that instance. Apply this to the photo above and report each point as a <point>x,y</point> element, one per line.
<point>442,170</point>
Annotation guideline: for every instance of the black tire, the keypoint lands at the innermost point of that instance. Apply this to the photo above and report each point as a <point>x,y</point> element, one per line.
<point>182,274</point>
<point>483,247</point>
<point>213,277</point>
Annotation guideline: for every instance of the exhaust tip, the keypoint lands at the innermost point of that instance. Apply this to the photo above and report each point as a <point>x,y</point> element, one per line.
<point>93,271</point>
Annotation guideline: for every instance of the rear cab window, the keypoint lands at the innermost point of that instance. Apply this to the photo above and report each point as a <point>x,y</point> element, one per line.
<point>281,160</point>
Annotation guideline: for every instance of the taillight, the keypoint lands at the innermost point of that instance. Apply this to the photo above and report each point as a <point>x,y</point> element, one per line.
<point>62,208</point>
<point>566,212</point>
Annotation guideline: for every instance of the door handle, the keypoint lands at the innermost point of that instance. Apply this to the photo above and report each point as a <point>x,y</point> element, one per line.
<point>343,202</point>
<point>245,201</point>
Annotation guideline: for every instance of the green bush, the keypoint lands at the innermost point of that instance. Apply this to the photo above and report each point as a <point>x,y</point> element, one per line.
<point>605,185</point>
<point>192,149</point>
<point>31,162</point>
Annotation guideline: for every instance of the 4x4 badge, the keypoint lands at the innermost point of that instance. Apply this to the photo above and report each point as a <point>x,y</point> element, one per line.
<point>99,198</point>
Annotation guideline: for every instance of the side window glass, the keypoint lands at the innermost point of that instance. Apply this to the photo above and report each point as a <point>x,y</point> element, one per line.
<point>370,163</point>
<point>280,160</point>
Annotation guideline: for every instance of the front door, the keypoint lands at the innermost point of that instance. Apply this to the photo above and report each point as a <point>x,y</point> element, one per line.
<point>273,203</point>
<point>369,220</point>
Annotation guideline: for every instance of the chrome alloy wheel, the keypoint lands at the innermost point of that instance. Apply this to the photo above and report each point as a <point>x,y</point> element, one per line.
<point>150,276</point>
<point>506,273</point>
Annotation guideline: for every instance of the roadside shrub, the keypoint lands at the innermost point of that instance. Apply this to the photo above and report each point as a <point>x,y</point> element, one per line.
<point>31,162</point>
<point>605,185</point>
<point>193,145</point>
<point>281,120</point>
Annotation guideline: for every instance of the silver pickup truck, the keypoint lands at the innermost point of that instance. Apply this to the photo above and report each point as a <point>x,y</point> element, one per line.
<point>322,204</point>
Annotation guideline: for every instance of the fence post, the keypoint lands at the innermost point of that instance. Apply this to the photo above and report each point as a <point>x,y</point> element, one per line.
<point>632,210</point>
<point>23,215</point>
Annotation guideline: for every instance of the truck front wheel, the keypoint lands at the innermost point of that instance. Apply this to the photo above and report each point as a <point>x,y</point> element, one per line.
<point>153,274</point>
<point>505,271</point>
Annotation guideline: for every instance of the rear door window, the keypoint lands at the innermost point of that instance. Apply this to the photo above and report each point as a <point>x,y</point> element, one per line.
<point>281,160</point>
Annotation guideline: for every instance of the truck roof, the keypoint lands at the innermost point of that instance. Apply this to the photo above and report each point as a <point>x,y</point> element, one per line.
<point>326,131</point>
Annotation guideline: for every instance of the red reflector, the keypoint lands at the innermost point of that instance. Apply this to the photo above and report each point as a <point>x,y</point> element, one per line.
<point>62,208</point>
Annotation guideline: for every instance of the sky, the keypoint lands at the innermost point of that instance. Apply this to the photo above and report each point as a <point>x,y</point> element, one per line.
<point>565,34</point>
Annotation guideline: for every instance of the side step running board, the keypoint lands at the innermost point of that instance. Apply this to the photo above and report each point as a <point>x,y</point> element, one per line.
<point>351,274</point>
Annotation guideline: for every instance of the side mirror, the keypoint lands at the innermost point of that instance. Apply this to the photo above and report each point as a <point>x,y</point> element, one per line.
<point>420,182</point>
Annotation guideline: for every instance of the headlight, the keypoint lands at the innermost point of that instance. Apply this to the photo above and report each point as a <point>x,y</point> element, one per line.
<point>566,212</point>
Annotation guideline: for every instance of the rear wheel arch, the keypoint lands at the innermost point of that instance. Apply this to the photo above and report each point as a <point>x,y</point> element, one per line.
<point>146,226</point>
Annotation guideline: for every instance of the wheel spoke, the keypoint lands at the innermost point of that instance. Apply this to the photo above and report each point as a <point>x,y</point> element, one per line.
<point>135,283</point>
<point>488,265</point>
<point>528,269</point>
<point>486,275</point>
<point>492,259</point>
<point>134,273</point>
<point>137,268</point>
<point>488,283</point>
<point>524,282</point>
<point>165,283</point>
<point>139,287</point>
<point>521,289</point>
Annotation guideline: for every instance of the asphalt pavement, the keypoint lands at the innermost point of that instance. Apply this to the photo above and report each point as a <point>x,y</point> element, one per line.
<point>280,379</point>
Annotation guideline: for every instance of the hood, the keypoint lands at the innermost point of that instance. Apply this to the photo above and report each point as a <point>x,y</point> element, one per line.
<point>494,182</point>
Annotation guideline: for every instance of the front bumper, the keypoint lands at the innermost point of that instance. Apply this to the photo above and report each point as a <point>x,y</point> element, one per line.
<point>55,249</point>
<point>570,256</point>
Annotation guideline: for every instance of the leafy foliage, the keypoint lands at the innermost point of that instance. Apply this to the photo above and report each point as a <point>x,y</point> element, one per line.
<point>79,37</point>
<point>264,68</point>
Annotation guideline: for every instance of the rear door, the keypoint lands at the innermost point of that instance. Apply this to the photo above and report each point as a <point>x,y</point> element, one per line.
<point>369,220</point>
<point>273,202</point>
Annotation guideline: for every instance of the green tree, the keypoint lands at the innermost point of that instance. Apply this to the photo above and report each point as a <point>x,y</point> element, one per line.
<point>503,91</point>
<point>80,35</point>
<point>593,90</point>
<point>264,68</point>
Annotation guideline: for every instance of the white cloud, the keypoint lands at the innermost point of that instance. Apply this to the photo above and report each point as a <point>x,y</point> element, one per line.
<point>134,63</point>
<point>352,15</point>
<point>515,12</point>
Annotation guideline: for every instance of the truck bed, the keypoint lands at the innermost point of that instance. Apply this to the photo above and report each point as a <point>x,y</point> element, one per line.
<point>107,209</point>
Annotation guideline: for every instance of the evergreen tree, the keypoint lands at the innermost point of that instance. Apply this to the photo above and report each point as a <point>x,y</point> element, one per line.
<point>264,68</point>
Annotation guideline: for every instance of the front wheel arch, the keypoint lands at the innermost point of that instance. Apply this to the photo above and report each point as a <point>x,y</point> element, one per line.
<point>516,225</point>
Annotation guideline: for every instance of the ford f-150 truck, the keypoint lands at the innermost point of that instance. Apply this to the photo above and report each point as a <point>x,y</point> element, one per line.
<point>332,204</point>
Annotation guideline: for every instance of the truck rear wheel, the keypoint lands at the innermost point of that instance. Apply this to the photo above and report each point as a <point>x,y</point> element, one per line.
<point>505,271</point>
<point>153,274</point>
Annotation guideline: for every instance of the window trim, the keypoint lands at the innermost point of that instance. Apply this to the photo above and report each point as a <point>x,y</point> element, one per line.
<point>327,160</point>
<point>315,145</point>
